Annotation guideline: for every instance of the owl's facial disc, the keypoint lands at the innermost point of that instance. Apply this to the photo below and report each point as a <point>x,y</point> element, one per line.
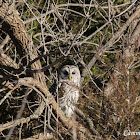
<point>65,73</point>
<point>74,74</point>
<point>70,73</point>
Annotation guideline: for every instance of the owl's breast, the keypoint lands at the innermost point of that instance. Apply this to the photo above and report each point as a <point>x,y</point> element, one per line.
<point>68,97</point>
<point>68,91</point>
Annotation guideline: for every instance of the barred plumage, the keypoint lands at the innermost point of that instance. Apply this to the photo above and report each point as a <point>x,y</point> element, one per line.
<point>69,84</point>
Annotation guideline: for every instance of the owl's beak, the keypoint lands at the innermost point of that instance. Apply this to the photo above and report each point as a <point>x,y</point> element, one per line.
<point>69,77</point>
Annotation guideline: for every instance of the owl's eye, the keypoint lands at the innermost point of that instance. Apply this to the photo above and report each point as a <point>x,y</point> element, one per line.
<point>65,72</point>
<point>73,72</point>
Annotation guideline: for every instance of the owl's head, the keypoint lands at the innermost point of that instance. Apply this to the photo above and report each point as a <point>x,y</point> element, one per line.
<point>70,73</point>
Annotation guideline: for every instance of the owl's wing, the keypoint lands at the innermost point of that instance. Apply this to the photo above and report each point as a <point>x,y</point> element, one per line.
<point>60,91</point>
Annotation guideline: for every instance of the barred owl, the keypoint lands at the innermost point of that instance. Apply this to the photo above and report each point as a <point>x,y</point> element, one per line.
<point>68,85</point>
